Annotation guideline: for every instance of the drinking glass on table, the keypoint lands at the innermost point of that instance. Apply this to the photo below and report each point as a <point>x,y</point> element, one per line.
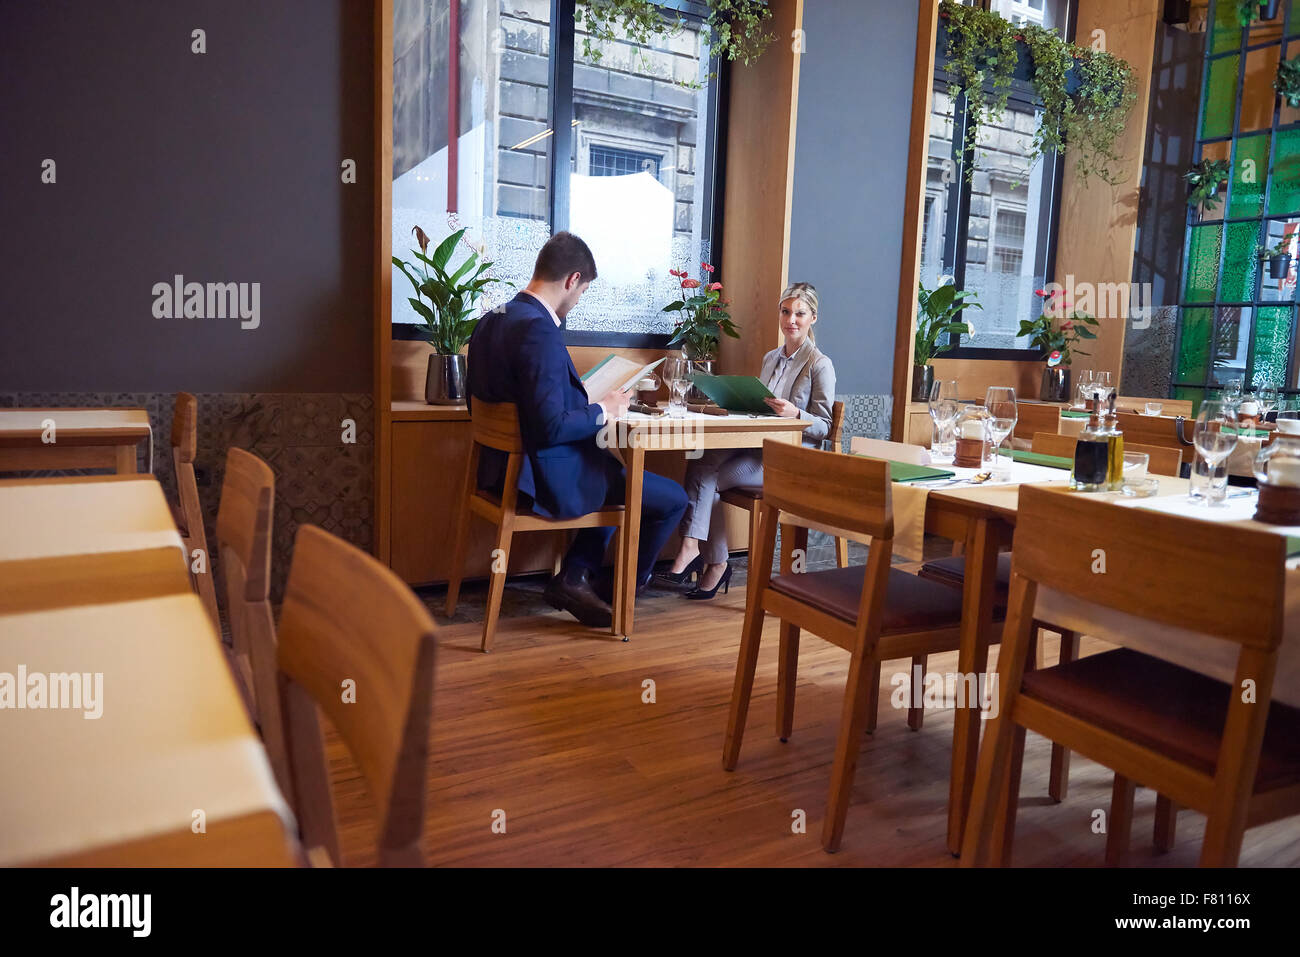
<point>1215,438</point>
<point>1001,403</point>
<point>677,373</point>
<point>943,407</point>
<point>1083,393</point>
<point>1102,387</point>
<point>1266,396</point>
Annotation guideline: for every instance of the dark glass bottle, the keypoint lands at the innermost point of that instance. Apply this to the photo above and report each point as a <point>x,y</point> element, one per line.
<point>1091,457</point>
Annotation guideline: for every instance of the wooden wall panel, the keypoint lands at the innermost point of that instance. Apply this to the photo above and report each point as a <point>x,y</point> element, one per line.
<point>383,192</point>
<point>759,186</point>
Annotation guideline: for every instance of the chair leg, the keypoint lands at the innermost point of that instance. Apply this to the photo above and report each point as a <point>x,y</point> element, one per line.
<point>1166,823</point>
<point>873,702</point>
<point>755,530</point>
<point>842,552</point>
<point>915,713</point>
<point>1008,802</point>
<point>1058,782</point>
<point>786,674</point>
<point>458,553</point>
<point>1119,826</point>
<point>496,586</point>
<point>750,637</point>
<point>621,572</point>
<point>853,721</point>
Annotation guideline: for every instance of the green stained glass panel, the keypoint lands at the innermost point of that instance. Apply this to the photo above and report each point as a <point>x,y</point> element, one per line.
<point>1249,175</point>
<point>1202,263</point>
<point>1284,197</point>
<point>1225,34</point>
<point>1194,345</point>
<point>1240,263</point>
<point>1220,97</point>
<point>1272,345</point>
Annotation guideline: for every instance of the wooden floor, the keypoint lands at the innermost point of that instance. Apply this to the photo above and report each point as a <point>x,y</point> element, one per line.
<point>551,729</point>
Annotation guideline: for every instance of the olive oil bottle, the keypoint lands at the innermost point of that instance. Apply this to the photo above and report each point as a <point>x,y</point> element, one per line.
<point>1114,450</point>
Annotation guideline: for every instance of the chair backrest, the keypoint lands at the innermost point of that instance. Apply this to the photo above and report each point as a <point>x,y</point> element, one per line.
<point>358,644</point>
<point>1131,403</point>
<point>185,428</point>
<point>1035,417</point>
<point>851,492</point>
<point>836,438</point>
<point>1220,580</point>
<point>1162,461</point>
<point>893,451</point>
<point>1160,430</point>
<point>244,522</point>
<point>495,425</point>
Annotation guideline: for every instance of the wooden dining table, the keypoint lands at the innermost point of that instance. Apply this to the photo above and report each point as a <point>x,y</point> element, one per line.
<point>150,760</point>
<point>40,439</point>
<point>87,539</point>
<point>637,434</point>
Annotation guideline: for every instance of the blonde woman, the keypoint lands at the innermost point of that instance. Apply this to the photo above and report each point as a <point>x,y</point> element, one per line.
<point>802,381</point>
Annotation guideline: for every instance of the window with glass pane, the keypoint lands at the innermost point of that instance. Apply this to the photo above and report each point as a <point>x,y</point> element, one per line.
<point>501,190</point>
<point>640,119</point>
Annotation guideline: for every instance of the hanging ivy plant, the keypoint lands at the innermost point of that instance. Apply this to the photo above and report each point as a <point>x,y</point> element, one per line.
<point>1287,82</point>
<point>985,48</point>
<point>737,26</point>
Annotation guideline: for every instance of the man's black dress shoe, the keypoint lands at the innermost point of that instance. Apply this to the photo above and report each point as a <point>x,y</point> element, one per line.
<point>571,591</point>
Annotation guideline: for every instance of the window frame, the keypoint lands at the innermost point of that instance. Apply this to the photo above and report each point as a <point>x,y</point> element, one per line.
<point>957,206</point>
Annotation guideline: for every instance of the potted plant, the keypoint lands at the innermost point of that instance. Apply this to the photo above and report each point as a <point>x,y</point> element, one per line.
<point>1279,258</point>
<point>1287,82</point>
<point>702,320</point>
<point>453,298</point>
<point>1056,330</point>
<point>1203,182</point>
<point>1248,11</point>
<point>936,309</point>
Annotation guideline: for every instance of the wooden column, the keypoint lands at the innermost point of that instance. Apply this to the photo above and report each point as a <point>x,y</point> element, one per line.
<point>763,111</point>
<point>382,173</point>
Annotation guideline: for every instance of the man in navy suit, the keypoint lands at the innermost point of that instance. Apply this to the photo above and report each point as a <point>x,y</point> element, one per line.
<point>517,354</point>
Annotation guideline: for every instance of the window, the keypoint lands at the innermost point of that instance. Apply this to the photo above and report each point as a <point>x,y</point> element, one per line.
<point>993,230</point>
<point>550,139</point>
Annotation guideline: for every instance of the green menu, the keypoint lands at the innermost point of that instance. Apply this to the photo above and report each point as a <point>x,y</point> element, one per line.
<point>735,393</point>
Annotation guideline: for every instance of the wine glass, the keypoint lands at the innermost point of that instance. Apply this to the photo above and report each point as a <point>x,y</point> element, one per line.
<point>1102,387</point>
<point>943,407</point>
<point>1083,394</point>
<point>1001,403</point>
<point>677,372</point>
<point>1215,438</point>
<point>1266,396</point>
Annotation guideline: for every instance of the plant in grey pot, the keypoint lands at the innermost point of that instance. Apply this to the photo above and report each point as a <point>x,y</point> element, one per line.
<point>935,319</point>
<point>452,298</point>
<point>1278,257</point>
<point>1055,332</point>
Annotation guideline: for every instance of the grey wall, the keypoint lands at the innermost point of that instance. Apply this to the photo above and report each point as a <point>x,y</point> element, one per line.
<point>223,166</point>
<point>846,230</point>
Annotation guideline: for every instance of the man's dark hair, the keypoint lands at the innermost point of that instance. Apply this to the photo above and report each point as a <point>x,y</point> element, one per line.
<point>562,256</point>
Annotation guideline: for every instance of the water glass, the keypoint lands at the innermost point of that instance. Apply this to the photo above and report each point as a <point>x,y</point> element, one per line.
<point>1001,403</point>
<point>1154,408</point>
<point>1215,438</point>
<point>943,444</point>
<point>677,372</point>
<point>1083,393</point>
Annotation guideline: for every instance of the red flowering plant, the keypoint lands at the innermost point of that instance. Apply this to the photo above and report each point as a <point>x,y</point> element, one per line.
<point>1058,328</point>
<point>703,316</point>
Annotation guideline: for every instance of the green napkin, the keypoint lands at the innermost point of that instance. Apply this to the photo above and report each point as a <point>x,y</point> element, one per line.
<point>1074,414</point>
<point>1292,546</point>
<point>1038,458</point>
<point>906,472</point>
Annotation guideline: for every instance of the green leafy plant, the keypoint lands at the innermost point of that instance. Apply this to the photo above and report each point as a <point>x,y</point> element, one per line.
<point>453,296</point>
<point>703,315</point>
<point>1204,180</point>
<point>983,48</point>
<point>1058,328</point>
<point>1247,12</point>
<point>936,309</point>
<point>735,26</point>
<point>1287,82</point>
<point>1283,248</point>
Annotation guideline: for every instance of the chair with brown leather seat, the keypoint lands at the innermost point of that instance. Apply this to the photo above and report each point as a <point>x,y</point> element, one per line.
<point>1206,745</point>
<point>189,514</point>
<point>495,425</point>
<point>358,645</point>
<point>750,498</point>
<point>874,612</point>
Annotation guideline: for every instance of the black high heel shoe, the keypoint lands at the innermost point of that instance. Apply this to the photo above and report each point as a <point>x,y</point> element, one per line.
<point>676,581</point>
<point>699,594</point>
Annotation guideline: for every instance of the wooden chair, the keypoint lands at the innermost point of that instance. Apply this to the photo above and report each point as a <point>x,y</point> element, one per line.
<point>875,612</point>
<point>1162,460</point>
<point>1034,417</point>
<point>1202,743</point>
<point>495,425</point>
<point>244,546</point>
<point>189,514</point>
<point>1175,407</point>
<point>358,644</point>
<point>892,451</point>
<point>750,497</point>
<point>1172,432</point>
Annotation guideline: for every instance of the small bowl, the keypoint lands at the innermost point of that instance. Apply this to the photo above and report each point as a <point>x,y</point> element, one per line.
<point>1140,488</point>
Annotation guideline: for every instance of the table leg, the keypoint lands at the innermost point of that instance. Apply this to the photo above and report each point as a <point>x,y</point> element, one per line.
<point>634,458</point>
<point>972,658</point>
<point>125,457</point>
